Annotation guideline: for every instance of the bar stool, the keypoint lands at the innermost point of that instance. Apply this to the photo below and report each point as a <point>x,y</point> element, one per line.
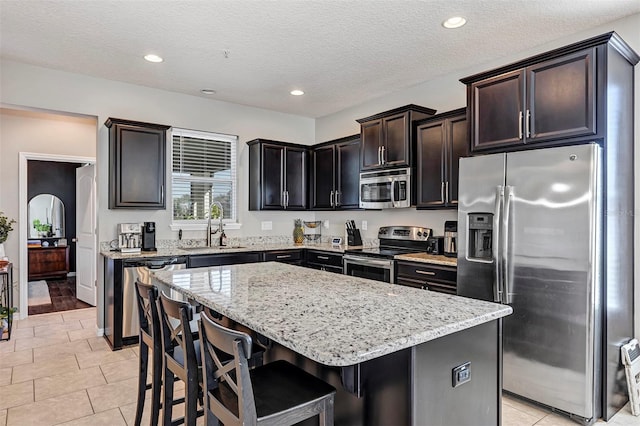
<point>277,393</point>
<point>181,359</point>
<point>146,296</point>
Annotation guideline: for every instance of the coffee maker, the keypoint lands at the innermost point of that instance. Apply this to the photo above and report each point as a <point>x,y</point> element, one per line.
<point>451,238</point>
<point>149,236</point>
<point>129,237</point>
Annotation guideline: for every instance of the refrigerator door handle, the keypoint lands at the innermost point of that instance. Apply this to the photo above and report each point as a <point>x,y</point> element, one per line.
<point>506,252</point>
<point>495,249</point>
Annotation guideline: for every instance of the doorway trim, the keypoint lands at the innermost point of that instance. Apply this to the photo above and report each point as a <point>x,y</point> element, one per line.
<point>24,157</point>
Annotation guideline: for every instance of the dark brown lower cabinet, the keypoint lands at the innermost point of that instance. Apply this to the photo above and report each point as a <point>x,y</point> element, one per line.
<point>325,261</point>
<point>293,257</point>
<point>440,278</point>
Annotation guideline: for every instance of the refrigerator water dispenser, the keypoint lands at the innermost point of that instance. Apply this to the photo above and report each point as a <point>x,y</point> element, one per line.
<point>480,236</point>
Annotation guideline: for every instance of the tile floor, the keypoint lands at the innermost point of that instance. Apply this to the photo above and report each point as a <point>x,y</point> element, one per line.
<point>54,370</point>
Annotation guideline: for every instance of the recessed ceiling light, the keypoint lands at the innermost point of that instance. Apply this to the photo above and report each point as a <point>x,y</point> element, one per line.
<point>208,92</point>
<point>297,92</point>
<point>153,58</point>
<point>454,22</point>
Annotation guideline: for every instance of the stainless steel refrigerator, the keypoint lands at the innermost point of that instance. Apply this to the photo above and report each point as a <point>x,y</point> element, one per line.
<point>530,235</point>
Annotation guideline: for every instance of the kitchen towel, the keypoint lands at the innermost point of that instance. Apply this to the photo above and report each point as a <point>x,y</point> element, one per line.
<point>39,293</point>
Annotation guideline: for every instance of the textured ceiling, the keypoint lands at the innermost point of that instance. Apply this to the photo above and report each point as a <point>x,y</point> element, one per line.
<point>341,53</point>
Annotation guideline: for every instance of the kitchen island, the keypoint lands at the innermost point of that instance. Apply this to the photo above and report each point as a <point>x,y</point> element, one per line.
<point>393,352</point>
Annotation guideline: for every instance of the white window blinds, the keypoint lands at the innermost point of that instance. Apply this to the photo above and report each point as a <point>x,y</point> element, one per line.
<point>203,171</point>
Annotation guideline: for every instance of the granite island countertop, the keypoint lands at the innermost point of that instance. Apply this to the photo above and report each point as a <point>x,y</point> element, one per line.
<point>333,319</point>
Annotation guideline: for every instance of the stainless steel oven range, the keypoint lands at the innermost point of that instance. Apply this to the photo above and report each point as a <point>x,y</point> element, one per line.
<point>377,263</point>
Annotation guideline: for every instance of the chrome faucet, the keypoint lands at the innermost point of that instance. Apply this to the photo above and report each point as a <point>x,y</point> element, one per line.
<point>210,231</point>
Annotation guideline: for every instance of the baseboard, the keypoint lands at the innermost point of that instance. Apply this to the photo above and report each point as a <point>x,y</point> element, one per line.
<point>100,332</point>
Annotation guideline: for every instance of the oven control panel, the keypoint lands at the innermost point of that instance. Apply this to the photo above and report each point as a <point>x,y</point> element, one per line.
<point>407,233</point>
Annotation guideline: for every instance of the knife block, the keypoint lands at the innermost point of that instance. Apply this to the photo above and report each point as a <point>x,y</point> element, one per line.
<point>353,237</point>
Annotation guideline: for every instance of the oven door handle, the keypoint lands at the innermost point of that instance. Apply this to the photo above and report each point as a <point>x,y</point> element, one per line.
<point>386,264</point>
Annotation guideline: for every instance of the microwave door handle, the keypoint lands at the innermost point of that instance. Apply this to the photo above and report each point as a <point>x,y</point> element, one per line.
<point>393,192</point>
<point>495,249</point>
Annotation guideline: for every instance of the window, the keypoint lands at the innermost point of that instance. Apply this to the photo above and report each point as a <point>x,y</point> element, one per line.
<point>203,171</point>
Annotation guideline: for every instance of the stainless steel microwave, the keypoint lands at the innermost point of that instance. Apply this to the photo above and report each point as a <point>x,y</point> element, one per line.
<point>385,189</point>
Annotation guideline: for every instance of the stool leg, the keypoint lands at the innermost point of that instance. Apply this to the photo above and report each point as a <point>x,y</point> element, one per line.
<point>142,380</point>
<point>156,386</point>
<point>167,404</point>
<point>326,415</point>
<point>191,401</point>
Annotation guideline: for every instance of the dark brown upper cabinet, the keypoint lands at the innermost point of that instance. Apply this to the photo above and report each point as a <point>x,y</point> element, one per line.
<point>137,163</point>
<point>277,175</point>
<point>551,99</point>
<point>335,174</point>
<point>440,140</point>
<point>386,138</point>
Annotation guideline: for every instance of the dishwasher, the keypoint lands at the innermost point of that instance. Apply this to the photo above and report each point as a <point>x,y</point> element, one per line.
<point>141,269</point>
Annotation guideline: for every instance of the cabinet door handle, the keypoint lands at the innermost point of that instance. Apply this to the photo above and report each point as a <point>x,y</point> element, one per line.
<point>418,271</point>
<point>442,192</point>
<point>283,256</point>
<point>379,157</point>
<point>323,257</point>
<point>286,199</point>
<point>528,123</point>
<point>446,192</point>
<point>520,117</point>
<point>162,194</point>
<point>337,198</point>
<point>282,199</point>
<point>383,160</point>
<point>331,199</point>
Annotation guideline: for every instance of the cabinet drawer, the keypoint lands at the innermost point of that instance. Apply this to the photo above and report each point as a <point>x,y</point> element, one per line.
<point>440,287</point>
<point>282,256</point>
<point>427,272</point>
<point>324,258</point>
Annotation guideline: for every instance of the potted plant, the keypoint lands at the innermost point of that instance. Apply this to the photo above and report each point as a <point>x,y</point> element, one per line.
<point>5,313</point>
<point>43,228</point>
<point>6,226</point>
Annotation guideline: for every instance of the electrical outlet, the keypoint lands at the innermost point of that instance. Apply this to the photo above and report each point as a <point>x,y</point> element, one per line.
<point>461,374</point>
<point>267,225</point>
<point>364,225</point>
<point>326,224</point>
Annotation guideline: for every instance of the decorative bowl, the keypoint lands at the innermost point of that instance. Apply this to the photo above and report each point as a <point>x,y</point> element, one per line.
<point>313,238</point>
<point>313,224</point>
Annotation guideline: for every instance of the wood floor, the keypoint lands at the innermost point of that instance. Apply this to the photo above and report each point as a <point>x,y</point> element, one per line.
<point>63,298</point>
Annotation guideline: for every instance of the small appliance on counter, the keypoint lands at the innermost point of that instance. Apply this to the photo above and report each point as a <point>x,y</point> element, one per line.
<point>435,245</point>
<point>149,236</point>
<point>129,237</point>
<point>451,238</point>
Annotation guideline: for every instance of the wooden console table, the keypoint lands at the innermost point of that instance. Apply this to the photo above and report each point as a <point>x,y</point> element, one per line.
<point>48,262</point>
